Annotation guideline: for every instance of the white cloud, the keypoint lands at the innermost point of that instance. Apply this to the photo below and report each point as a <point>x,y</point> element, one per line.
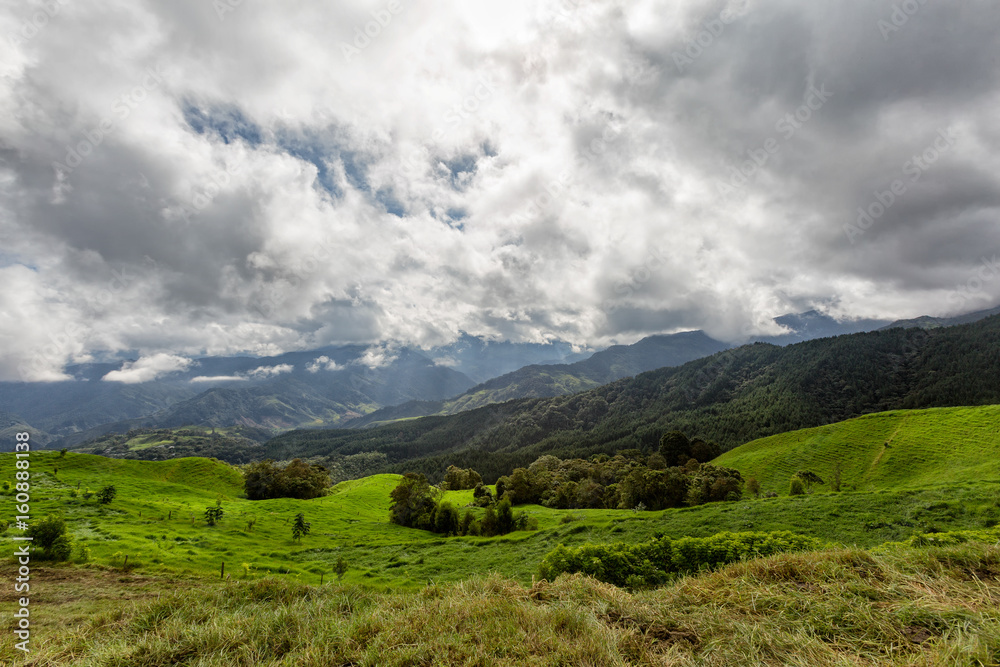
<point>323,363</point>
<point>146,369</point>
<point>262,372</point>
<point>219,378</point>
<point>377,357</point>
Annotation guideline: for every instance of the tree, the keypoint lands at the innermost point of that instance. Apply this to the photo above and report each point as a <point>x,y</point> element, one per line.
<point>413,502</point>
<point>107,494</point>
<point>446,519</point>
<point>300,527</point>
<point>50,535</point>
<point>213,515</point>
<point>465,527</point>
<point>505,516</point>
<point>675,448</point>
<point>488,526</point>
<point>341,567</point>
<point>753,487</point>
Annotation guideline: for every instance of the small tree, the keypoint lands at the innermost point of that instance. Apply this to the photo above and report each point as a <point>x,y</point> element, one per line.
<point>341,567</point>
<point>213,515</point>
<point>300,527</point>
<point>62,453</point>
<point>753,487</point>
<point>107,494</point>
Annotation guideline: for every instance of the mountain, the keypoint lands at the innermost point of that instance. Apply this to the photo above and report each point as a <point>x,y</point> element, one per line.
<point>538,381</point>
<point>731,397</point>
<point>927,322</point>
<point>481,359</point>
<point>301,396</point>
<point>814,324</point>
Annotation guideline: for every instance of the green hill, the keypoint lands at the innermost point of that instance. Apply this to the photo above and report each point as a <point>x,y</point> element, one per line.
<point>888,450</point>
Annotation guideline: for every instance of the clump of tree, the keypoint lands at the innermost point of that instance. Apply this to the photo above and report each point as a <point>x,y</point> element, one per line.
<point>266,479</point>
<point>676,449</point>
<point>459,479</point>
<point>417,504</point>
<point>625,481</point>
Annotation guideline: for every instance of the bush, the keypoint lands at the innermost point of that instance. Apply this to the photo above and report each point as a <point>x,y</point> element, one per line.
<point>51,537</point>
<point>796,487</point>
<point>655,561</point>
<point>107,494</point>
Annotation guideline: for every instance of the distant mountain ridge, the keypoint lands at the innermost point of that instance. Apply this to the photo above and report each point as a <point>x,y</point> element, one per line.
<point>536,381</point>
<point>731,397</point>
<point>927,322</point>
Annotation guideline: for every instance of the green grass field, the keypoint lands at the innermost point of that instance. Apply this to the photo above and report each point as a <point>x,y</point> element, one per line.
<point>157,518</point>
<point>888,450</point>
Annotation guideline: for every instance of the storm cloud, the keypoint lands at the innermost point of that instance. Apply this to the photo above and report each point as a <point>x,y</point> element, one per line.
<point>184,178</point>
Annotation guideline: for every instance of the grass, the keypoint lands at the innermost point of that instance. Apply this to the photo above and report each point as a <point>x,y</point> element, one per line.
<point>824,609</point>
<point>157,521</point>
<point>888,450</point>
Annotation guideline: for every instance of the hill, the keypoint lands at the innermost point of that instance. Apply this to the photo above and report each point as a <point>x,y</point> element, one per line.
<point>890,450</point>
<point>535,381</point>
<point>732,397</point>
<point>927,322</point>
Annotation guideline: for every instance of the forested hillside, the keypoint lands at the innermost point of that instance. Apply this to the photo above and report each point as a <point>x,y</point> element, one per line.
<point>731,397</point>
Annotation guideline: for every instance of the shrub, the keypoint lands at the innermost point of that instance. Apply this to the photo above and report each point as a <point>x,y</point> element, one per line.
<point>655,561</point>
<point>796,487</point>
<point>107,494</point>
<point>51,537</point>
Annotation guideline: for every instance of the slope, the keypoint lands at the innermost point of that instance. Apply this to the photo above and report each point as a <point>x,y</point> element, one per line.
<point>889,450</point>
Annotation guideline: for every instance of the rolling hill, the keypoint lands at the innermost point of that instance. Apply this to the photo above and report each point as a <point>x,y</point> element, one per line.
<point>888,450</point>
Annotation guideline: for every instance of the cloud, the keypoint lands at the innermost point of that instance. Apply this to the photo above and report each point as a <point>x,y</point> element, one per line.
<point>377,357</point>
<point>219,378</point>
<point>323,363</point>
<point>189,185</point>
<point>262,372</point>
<point>146,369</point>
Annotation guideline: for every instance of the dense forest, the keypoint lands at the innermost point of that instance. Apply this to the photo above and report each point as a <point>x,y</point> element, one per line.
<point>730,398</point>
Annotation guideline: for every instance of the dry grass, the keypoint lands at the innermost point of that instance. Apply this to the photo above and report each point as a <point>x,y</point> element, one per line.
<point>847,607</point>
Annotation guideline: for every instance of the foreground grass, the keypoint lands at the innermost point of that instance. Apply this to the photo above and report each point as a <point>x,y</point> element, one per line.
<point>843,607</point>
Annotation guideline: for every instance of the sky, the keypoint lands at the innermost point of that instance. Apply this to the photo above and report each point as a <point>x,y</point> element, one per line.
<point>186,177</point>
